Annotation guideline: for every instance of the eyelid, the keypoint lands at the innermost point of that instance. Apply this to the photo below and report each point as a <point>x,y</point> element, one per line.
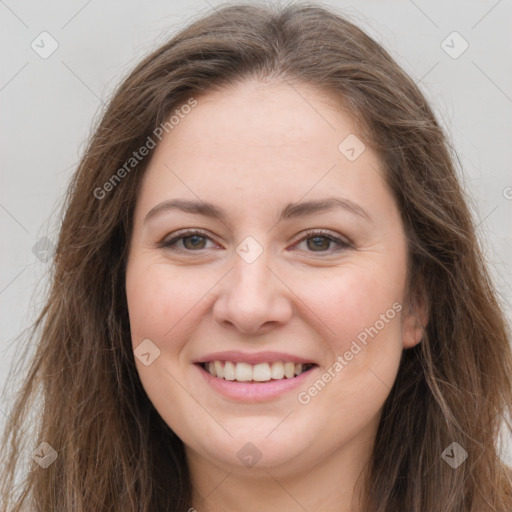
<point>184,233</point>
<point>342,242</point>
<point>324,232</point>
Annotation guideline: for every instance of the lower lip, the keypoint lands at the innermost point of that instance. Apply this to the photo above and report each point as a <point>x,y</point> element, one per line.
<point>257,391</point>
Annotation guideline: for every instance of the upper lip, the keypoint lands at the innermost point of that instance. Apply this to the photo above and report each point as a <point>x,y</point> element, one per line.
<point>252,358</point>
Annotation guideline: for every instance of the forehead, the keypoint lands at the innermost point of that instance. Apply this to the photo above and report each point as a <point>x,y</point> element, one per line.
<point>260,114</point>
<point>262,140</point>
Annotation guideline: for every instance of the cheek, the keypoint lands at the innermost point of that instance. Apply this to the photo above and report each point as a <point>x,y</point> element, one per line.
<point>362,309</point>
<point>361,306</point>
<point>162,303</point>
<point>161,306</point>
<point>355,298</point>
<point>147,304</point>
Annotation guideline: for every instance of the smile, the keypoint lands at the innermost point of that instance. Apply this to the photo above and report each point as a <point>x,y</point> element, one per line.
<point>262,372</point>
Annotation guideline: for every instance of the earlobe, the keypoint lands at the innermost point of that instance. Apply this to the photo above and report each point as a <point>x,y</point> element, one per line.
<point>412,331</point>
<point>414,323</point>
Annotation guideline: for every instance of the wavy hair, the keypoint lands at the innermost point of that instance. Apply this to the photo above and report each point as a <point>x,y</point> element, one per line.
<point>80,391</point>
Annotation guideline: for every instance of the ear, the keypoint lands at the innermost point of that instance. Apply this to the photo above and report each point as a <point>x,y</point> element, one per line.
<point>414,320</point>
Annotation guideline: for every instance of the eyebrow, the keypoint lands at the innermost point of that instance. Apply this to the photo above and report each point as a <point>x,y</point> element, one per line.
<point>292,210</point>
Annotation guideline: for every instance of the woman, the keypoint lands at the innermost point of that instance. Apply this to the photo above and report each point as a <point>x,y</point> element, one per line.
<point>268,293</point>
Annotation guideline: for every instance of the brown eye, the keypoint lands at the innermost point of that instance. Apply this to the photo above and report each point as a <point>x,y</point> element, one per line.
<point>318,242</point>
<point>195,242</point>
<point>191,241</point>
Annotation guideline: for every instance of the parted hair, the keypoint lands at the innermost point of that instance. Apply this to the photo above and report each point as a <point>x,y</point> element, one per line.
<point>79,390</point>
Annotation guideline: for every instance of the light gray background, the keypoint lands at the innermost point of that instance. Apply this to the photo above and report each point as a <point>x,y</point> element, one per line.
<point>48,107</point>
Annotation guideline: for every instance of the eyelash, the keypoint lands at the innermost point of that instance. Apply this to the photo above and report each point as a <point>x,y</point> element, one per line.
<point>318,233</point>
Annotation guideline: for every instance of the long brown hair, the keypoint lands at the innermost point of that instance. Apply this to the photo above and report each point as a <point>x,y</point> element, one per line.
<point>81,393</point>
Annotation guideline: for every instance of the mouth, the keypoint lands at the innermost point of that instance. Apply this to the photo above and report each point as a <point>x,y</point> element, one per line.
<point>255,373</point>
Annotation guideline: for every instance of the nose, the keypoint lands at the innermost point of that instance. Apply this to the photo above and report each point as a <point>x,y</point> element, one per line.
<point>252,298</point>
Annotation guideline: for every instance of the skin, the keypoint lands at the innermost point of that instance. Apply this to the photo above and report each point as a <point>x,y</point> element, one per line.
<point>251,150</point>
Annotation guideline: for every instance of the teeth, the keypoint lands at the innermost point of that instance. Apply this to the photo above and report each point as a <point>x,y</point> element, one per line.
<point>211,368</point>
<point>218,368</point>
<point>262,372</point>
<point>277,371</point>
<point>228,372</point>
<point>289,370</point>
<point>243,372</point>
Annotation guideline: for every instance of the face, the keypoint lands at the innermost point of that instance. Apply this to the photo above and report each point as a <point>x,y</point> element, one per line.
<point>266,279</point>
